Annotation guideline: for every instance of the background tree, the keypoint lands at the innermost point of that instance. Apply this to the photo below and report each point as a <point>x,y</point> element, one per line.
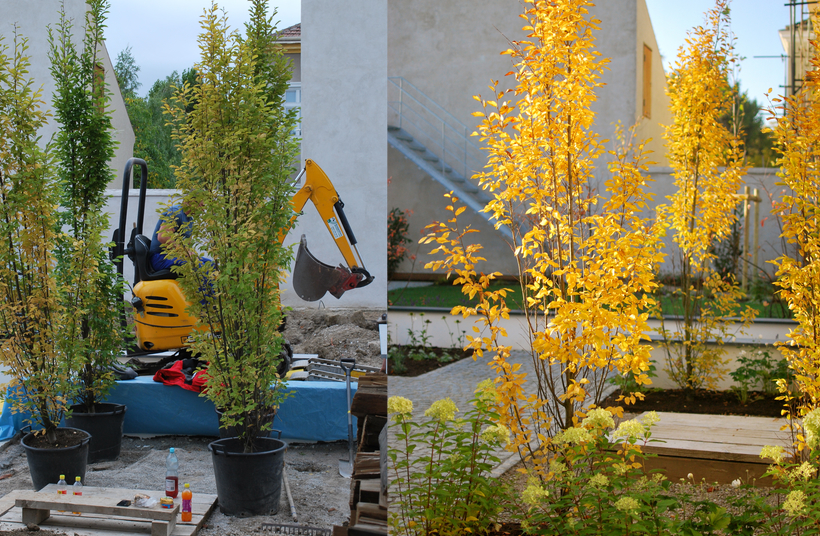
<point>84,145</point>
<point>798,138</point>
<point>708,167</point>
<point>235,176</point>
<point>745,120</point>
<point>153,132</point>
<point>585,278</point>
<point>30,312</point>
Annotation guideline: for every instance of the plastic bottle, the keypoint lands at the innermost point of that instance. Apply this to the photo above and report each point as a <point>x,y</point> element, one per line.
<point>78,489</point>
<point>172,475</point>
<point>186,503</point>
<point>62,488</point>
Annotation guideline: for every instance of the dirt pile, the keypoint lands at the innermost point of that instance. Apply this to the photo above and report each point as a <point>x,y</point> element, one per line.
<point>336,334</point>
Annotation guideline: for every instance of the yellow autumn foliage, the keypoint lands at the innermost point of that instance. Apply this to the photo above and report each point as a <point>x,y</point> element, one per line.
<point>586,277</point>
<point>798,136</point>
<point>707,159</point>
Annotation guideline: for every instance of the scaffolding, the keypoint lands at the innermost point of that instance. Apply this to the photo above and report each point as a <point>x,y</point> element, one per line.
<point>795,39</point>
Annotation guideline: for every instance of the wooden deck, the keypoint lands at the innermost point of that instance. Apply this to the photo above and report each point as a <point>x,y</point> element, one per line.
<point>719,448</point>
<point>91,524</point>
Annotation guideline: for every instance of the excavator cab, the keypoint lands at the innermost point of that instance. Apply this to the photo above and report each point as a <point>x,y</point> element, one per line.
<point>160,316</point>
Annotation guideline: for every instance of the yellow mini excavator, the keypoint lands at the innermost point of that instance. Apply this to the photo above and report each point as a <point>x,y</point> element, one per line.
<point>162,322</point>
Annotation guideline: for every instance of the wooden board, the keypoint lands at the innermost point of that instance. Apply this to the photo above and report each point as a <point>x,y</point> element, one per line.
<point>719,448</point>
<point>105,525</point>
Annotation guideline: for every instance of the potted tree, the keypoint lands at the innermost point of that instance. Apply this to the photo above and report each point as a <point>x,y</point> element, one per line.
<point>90,289</point>
<point>235,178</point>
<point>31,312</point>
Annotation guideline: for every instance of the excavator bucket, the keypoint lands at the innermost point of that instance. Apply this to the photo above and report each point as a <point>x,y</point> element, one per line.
<point>312,278</point>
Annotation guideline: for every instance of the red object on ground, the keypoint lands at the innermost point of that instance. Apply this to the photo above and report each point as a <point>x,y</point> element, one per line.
<point>175,376</point>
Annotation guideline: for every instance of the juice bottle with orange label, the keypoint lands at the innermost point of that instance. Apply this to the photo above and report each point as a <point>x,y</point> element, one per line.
<point>186,503</point>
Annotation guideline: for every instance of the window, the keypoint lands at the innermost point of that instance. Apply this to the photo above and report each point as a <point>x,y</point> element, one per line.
<point>293,99</point>
<point>647,82</point>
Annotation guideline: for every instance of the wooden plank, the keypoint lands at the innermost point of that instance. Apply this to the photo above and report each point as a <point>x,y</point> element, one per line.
<point>706,451</point>
<point>95,504</point>
<point>371,511</point>
<point>716,437</point>
<point>736,422</point>
<point>105,525</point>
<point>91,525</point>
<point>367,465</point>
<point>374,379</point>
<point>201,503</point>
<point>747,438</point>
<point>721,471</point>
<point>720,421</point>
<point>7,502</point>
<point>366,529</point>
<point>369,491</point>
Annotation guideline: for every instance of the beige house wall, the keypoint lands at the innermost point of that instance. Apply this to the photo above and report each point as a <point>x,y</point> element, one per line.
<point>651,128</point>
<point>33,24</point>
<point>344,130</point>
<point>451,52</point>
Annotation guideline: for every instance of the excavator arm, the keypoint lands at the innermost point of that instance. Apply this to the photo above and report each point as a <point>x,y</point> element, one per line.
<point>311,277</point>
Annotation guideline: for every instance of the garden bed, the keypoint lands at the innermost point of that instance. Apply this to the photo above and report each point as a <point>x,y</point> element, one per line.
<point>411,361</point>
<point>703,402</point>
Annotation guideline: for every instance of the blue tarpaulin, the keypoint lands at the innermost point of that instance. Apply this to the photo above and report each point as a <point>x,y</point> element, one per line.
<point>316,411</point>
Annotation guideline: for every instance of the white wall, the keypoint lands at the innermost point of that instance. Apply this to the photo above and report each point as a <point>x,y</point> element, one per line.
<point>770,246</point>
<point>33,19</point>
<point>344,129</point>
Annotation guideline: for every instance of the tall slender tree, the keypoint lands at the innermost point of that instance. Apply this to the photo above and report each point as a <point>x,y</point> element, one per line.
<point>707,159</point>
<point>84,146</point>
<point>586,278</point>
<point>237,164</point>
<point>798,138</point>
<point>31,313</point>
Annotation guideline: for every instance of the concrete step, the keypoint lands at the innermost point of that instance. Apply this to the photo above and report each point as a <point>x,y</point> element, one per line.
<point>430,157</point>
<point>417,147</point>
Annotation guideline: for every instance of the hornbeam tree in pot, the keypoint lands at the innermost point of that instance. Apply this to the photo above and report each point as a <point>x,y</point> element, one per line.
<point>31,315</point>
<point>238,160</point>
<point>90,287</point>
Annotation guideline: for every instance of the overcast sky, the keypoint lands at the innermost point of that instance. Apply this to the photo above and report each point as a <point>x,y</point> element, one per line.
<point>163,33</point>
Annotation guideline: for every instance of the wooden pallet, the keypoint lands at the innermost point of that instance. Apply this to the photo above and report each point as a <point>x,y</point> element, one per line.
<point>100,518</point>
<point>719,448</point>
<point>368,487</point>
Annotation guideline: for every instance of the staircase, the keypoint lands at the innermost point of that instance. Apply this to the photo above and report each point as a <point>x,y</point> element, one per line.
<point>437,143</point>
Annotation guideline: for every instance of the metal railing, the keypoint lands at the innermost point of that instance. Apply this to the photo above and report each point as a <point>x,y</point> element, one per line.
<point>433,127</point>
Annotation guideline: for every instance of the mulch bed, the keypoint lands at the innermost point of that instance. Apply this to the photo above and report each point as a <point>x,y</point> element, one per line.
<point>417,367</point>
<point>702,402</point>
<point>65,438</point>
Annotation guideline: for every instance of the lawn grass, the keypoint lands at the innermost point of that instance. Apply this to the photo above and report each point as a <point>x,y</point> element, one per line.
<point>448,296</point>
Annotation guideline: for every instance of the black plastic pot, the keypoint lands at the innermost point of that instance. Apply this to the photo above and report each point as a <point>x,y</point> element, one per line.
<point>248,484</point>
<point>233,431</point>
<point>46,465</point>
<point>104,425</point>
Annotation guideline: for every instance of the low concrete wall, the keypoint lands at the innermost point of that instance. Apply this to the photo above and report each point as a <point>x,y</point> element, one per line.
<point>448,331</point>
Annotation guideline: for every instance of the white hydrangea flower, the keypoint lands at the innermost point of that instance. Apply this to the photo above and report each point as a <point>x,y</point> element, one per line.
<point>598,418</point>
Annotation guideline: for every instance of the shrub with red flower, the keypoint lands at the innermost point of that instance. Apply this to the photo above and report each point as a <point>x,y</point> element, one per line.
<point>397,229</point>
